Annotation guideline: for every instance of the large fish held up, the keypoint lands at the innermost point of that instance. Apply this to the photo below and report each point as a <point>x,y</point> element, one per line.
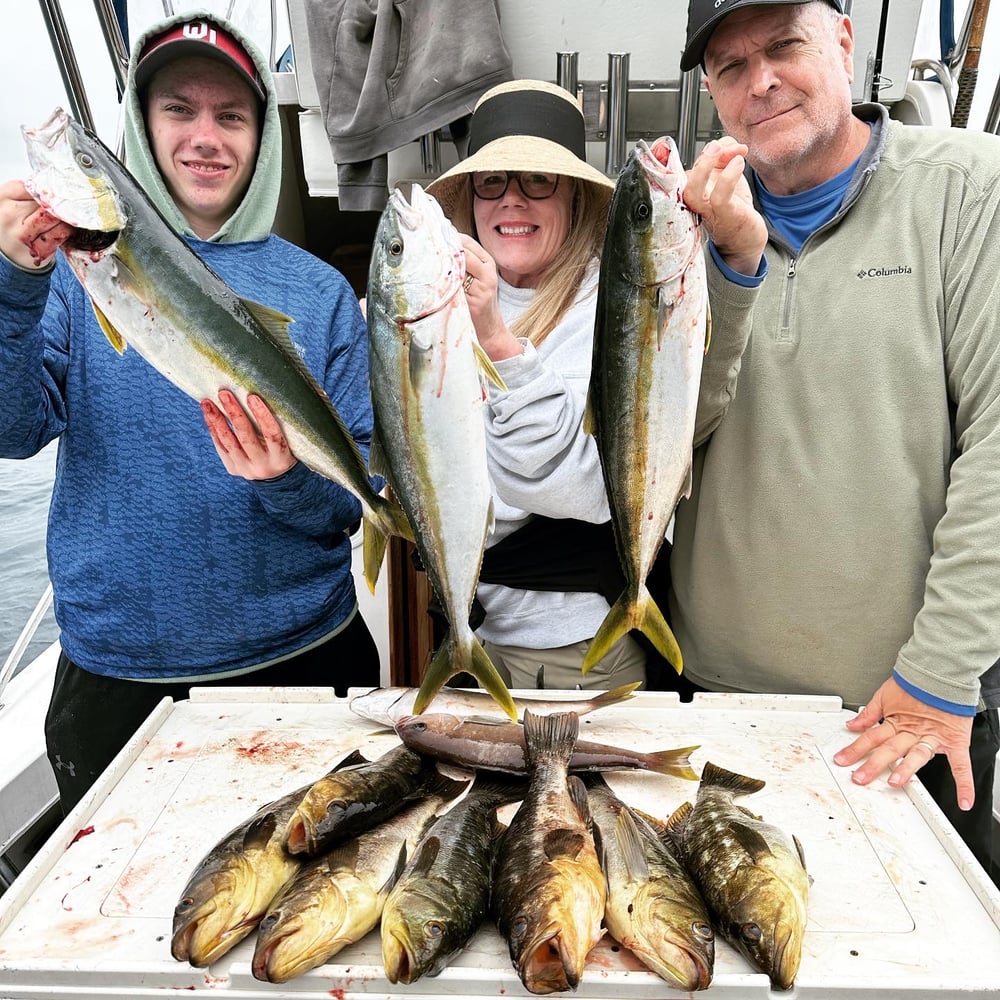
<point>426,368</point>
<point>649,342</point>
<point>152,292</point>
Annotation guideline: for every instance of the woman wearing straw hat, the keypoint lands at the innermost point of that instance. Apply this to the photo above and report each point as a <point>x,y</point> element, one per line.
<point>534,213</point>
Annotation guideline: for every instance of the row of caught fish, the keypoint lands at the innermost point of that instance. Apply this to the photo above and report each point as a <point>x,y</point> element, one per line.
<point>152,292</point>
<point>385,843</point>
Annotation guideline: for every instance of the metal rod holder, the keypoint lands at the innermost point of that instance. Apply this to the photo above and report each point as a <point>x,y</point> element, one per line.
<point>566,70</point>
<point>617,111</point>
<point>689,97</point>
<point>430,154</point>
<point>62,47</point>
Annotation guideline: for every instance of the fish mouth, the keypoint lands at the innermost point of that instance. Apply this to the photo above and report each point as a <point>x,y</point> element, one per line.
<point>784,965</point>
<point>398,960</point>
<point>685,968</point>
<point>300,835</point>
<point>91,240</point>
<point>547,965</point>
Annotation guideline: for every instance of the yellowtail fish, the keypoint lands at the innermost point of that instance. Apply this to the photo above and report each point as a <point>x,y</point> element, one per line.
<point>649,341</point>
<point>426,367</point>
<point>150,291</point>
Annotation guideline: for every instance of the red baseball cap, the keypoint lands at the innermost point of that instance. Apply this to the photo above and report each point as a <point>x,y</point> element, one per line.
<point>197,38</point>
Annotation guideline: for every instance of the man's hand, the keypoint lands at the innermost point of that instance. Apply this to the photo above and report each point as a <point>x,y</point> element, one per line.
<point>246,451</point>
<point>910,734</point>
<point>717,190</point>
<point>29,235</point>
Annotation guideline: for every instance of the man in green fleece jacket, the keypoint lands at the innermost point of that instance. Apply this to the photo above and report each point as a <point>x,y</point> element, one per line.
<point>843,533</point>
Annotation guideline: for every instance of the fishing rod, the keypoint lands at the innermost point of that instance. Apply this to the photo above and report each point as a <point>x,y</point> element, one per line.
<point>969,73</point>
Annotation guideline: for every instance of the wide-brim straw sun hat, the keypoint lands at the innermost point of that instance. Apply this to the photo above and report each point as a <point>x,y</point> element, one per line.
<point>525,125</point>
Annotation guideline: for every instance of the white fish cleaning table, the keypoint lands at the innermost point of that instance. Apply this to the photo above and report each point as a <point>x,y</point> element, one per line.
<point>898,907</point>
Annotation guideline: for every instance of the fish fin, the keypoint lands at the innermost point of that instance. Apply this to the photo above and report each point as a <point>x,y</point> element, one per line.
<point>377,464</point>
<point>116,340</point>
<point>425,856</point>
<point>801,853</point>
<point>589,424</point>
<point>621,693</point>
<point>665,302</point>
<point>562,843</point>
<point>455,656</point>
<point>489,678</point>
<point>354,759</point>
<point>740,784</point>
<point>373,544</point>
<point>274,322</point>
<point>751,840</point>
<point>677,821</point>
<point>655,628</point>
<point>632,847</point>
<point>259,831</point>
<point>625,615</point>
<point>617,622</point>
<point>446,788</point>
<point>394,876</point>
<point>578,796</point>
<point>550,735</point>
<point>676,762</point>
<point>488,367</point>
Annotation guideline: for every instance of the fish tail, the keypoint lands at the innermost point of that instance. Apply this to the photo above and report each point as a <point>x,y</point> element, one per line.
<point>383,520</point>
<point>654,627</point>
<point>621,693</point>
<point>676,762</point>
<point>719,777</point>
<point>550,736</point>
<point>629,613</point>
<point>617,623</point>
<point>452,658</point>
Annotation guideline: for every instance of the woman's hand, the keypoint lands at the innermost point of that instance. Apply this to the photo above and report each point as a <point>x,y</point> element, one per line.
<point>481,293</point>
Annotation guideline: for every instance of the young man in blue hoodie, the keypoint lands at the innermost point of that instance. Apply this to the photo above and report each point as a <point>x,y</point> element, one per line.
<point>170,567</point>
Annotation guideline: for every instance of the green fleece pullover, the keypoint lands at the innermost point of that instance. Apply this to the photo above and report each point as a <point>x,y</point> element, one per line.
<point>844,521</point>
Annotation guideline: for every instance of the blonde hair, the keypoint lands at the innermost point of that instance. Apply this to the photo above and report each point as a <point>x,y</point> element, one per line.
<point>561,281</point>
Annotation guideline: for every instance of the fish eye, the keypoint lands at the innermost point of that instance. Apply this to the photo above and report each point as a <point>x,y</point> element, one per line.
<point>395,247</point>
<point>433,928</point>
<point>269,921</point>
<point>703,931</point>
<point>751,933</point>
<point>642,210</point>
<point>518,926</point>
<point>85,160</point>
<point>419,727</point>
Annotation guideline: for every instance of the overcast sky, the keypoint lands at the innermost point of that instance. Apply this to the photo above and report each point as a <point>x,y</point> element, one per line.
<point>31,86</point>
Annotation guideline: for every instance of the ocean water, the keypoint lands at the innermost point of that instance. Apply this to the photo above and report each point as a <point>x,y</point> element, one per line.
<point>25,487</point>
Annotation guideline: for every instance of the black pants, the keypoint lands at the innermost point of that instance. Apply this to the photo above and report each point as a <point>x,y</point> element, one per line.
<point>90,717</point>
<point>975,826</point>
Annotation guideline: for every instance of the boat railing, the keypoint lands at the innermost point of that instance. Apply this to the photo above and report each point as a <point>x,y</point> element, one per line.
<point>23,640</point>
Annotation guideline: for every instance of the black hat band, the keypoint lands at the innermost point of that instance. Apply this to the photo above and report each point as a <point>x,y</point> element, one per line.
<point>524,112</point>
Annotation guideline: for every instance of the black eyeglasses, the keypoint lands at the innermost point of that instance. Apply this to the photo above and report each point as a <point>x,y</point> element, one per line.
<point>492,184</point>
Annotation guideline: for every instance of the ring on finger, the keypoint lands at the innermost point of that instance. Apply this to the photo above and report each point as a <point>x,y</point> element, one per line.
<point>931,749</point>
<point>467,284</point>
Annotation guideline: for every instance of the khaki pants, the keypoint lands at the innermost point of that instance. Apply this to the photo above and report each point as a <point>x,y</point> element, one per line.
<point>625,663</point>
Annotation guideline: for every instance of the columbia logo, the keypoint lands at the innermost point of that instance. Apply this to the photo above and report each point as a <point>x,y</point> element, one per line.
<point>884,272</point>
